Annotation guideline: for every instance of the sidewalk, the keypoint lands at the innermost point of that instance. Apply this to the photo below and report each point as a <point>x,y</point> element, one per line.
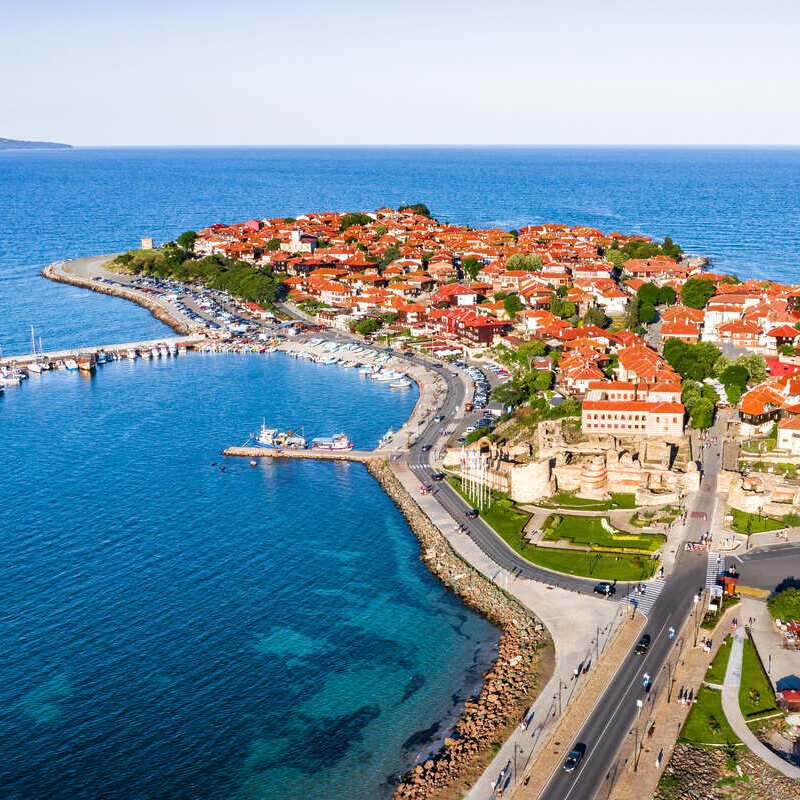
<point>580,626</point>
<point>550,755</point>
<point>733,712</point>
<point>782,665</point>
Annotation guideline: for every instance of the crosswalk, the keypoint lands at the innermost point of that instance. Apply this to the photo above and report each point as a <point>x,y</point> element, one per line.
<point>421,469</point>
<point>644,602</point>
<point>714,565</point>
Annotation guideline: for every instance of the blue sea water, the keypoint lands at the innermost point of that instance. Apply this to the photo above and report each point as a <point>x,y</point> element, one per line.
<point>170,629</point>
<point>173,630</point>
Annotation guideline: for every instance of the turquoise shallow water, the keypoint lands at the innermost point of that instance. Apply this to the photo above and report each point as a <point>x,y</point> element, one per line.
<point>174,630</point>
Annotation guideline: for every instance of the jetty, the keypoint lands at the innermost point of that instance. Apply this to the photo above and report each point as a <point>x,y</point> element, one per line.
<point>193,341</point>
<point>317,455</point>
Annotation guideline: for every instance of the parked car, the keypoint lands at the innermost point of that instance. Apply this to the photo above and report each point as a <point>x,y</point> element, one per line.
<point>438,476</point>
<point>605,588</point>
<point>426,447</point>
<point>574,757</point>
<point>472,513</point>
<point>643,645</point>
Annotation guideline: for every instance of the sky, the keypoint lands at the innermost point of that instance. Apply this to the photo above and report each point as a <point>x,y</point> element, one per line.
<point>260,72</point>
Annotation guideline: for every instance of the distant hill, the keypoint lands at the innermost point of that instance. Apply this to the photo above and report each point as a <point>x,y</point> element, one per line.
<point>19,144</point>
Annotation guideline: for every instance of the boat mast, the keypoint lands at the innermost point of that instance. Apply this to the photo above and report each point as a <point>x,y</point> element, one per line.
<point>33,340</point>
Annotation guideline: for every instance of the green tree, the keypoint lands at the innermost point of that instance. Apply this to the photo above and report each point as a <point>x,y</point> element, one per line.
<point>695,361</point>
<point>518,261</point>
<point>562,308</point>
<point>273,244</point>
<point>187,239</point>
<point>390,254</point>
<point>512,305</point>
<point>528,351</point>
<point>416,208</point>
<point>596,316</point>
<point>511,393</point>
<point>755,365</point>
<point>701,415</point>
<point>666,296</point>
<point>647,293</point>
<point>647,313</point>
<point>543,380</point>
<point>785,605</point>
<point>367,326</point>
<point>696,292</point>
<point>351,218</point>
<point>471,266</point>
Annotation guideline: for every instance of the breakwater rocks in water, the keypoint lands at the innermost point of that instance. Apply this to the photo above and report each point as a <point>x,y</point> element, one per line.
<point>508,686</point>
<point>53,273</point>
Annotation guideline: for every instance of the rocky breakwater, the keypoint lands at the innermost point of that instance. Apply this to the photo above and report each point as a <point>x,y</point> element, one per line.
<point>510,683</point>
<point>59,273</point>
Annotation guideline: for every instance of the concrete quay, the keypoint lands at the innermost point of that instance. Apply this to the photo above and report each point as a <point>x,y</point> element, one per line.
<point>193,341</point>
<point>314,455</point>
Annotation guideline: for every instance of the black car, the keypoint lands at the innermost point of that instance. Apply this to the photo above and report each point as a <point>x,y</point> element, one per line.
<point>643,645</point>
<point>426,447</point>
<point>472,513</point>
<point>605,588</point>
<point>574,757</point>
<point>438,476</point>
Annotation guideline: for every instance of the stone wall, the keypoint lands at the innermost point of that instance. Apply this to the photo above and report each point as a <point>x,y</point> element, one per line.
<point>509,685</point>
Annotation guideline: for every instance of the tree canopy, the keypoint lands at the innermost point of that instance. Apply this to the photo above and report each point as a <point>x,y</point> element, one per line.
<point>518,261</point>
<point>639,248</point>
<point>785,605</point>
<point>596,316</point>
<point>471,266</point>
<point>367,326</point>
<point>695,361</point>
<point>187,239</point>
<point>512,305</point>
<point>353,218</point>
<point>696,292</point>
<point>417,208</point>
<point>562,308</point>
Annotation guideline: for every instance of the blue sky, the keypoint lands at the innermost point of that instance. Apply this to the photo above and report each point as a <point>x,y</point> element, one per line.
<point>353,72</point>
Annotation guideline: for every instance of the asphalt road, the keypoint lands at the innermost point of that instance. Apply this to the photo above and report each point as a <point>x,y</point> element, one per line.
<point>766,567</point>
<point>488,541</point>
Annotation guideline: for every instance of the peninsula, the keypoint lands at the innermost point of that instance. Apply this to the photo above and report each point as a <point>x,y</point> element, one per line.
<point>614,437</point>
<point>22,144</point>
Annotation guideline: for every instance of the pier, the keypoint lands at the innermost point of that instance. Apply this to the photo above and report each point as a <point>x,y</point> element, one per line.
<point>316,455</point>
<point>192,341</point>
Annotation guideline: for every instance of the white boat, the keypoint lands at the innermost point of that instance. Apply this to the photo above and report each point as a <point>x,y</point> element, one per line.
<point>339,441</point>
<point>173,350</point>
<point>35,367</point>
<point>131,354</point>
<point>70,363</point>
<point>275,439</point>
<point>403,383</point>
<point>163,352</point>
<point>387,375</point>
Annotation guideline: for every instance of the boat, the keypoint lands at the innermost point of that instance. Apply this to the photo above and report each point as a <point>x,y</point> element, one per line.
<point>386,375</point>
<point>386,438</point>
<point>275,439</point>
<point>403,383</point>
<point>70,363</point>
<point>337,442</point>
<point>35,367</point>
<point>86,363</point>
<point>131,354</point>
<point>173,350</point>
<point>163,352</point>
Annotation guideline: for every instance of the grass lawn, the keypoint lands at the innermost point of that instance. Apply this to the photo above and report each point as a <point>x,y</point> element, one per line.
<point>509,522</point>
<point>753,523</point>
<point>706,723</point>
<point>570,500</point>
<point>755,692</point>
<point>590,531</point>
<point>716,672</point>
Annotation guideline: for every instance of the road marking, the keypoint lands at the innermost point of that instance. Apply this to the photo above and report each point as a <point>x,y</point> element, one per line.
<point>645,602</point>
<point>714,565</point>
<point>611,718</point>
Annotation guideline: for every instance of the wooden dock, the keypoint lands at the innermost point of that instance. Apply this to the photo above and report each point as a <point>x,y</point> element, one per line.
<point>316,455</point>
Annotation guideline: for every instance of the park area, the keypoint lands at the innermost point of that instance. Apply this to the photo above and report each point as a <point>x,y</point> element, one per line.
<point>597,533</point>
<point>509,523</point>
<point>746,523</point>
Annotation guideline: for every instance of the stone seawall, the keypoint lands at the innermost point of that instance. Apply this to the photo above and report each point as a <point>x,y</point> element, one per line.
<point>509,685</point>
<point>53,273</point>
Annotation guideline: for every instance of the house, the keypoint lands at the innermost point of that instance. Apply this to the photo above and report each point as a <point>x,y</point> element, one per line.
<point>633,418</point>
<point>454,294</point>
<point>789,435</point>
<point>299,242</point>
<point>680,329</point>
<point>740,333</point>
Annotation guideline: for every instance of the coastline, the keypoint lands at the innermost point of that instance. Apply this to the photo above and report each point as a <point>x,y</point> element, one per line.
<point>509,685</point>
<point>58,272</point>
<point>461,745</point>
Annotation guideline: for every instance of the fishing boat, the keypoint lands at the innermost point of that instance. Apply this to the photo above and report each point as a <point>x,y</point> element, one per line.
<point>275,439</point>
<point>131,354</point>
<point>71,364</point>
<point>403,383</point>
<point>339,441</point>
<point>386,375</point>
<point>35,367</point>
<point>86,363</point>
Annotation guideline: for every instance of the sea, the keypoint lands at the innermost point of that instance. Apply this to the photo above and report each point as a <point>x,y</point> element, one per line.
<point>176,625</point>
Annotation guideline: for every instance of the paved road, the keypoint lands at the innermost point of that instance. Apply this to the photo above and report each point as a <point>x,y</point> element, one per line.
<point>766,567</point>
<point>615,715</point>
<point>489,542</point>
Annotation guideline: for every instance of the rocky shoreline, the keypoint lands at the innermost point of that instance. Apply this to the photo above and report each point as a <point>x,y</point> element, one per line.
<point>509,685</point>
<point>53,273</point>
